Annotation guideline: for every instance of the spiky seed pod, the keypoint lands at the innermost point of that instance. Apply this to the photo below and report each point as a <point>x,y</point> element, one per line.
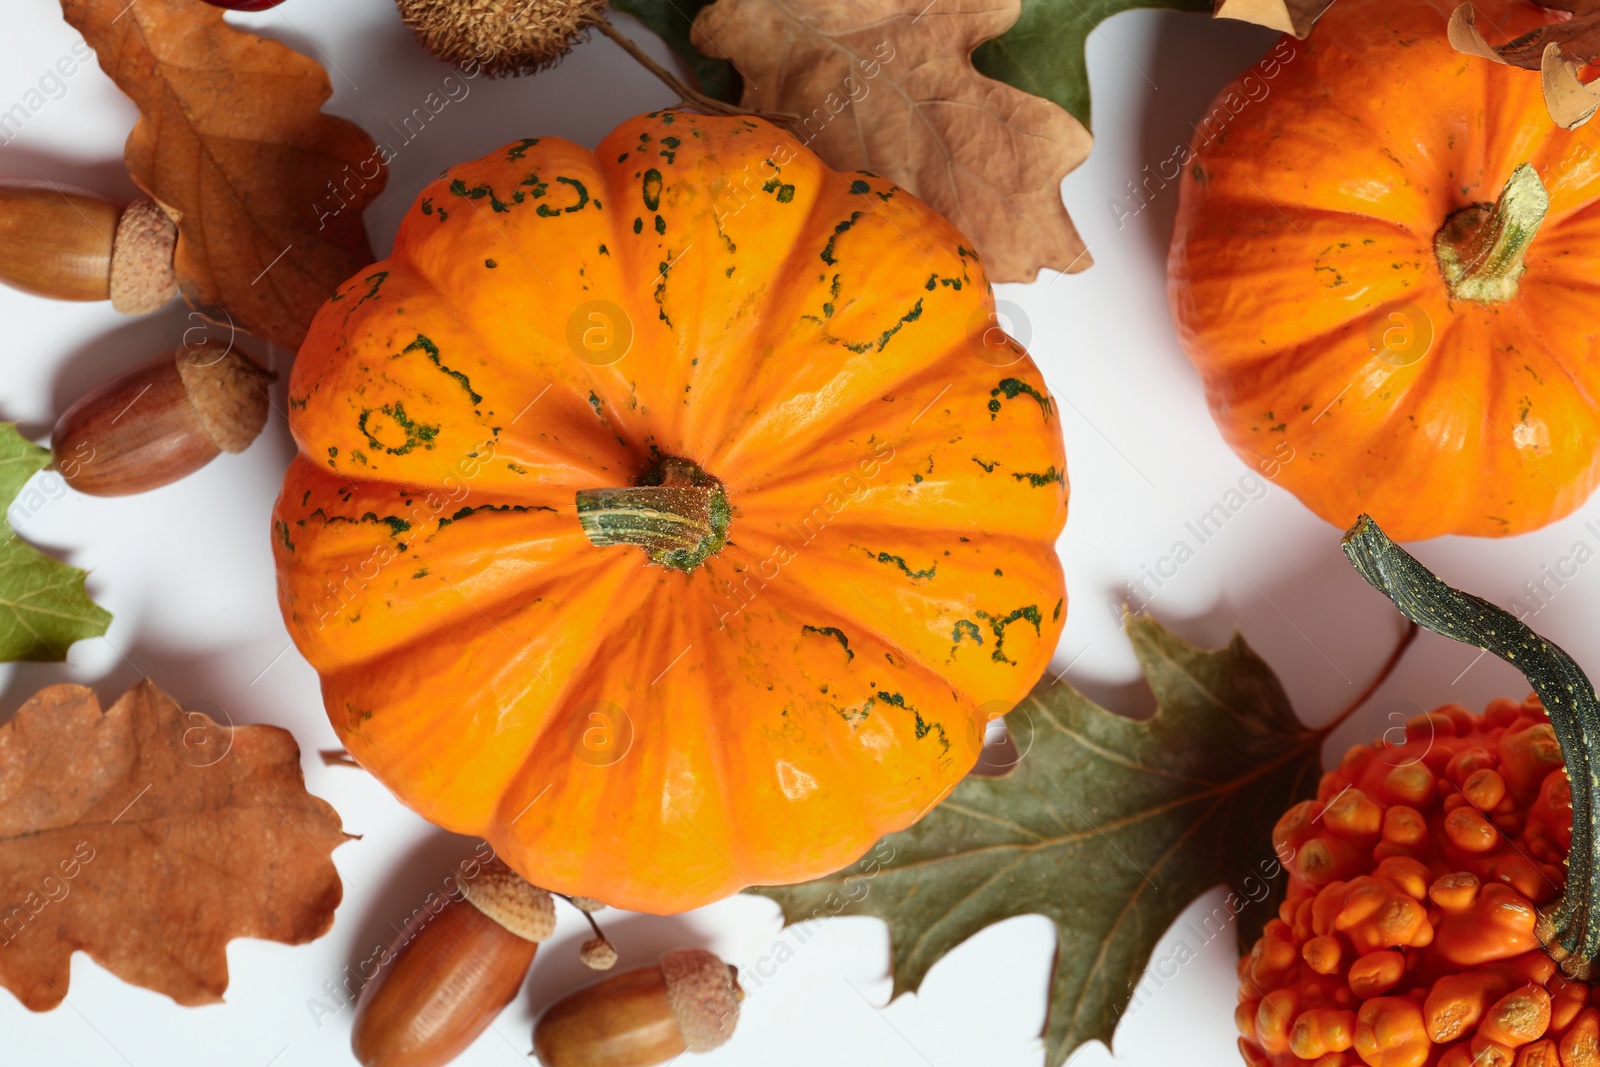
<point>500,37</point>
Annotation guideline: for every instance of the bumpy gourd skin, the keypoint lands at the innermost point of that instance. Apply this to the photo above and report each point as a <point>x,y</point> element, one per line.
<point>1304,282</point>
<point>1407,935</point>
<point>820,342</point>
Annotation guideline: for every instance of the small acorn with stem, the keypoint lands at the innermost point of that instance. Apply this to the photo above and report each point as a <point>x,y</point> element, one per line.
<point>688,1002</point>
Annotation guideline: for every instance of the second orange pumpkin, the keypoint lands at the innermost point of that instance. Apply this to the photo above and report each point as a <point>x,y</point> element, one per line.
<point>1389,317</point>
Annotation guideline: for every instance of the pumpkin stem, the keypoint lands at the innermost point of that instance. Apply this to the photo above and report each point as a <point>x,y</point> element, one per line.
<point>1480,248</point>
<point>1569,928</point>
<point>677,513</point>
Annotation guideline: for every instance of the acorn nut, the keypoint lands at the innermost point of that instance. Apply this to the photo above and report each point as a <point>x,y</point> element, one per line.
<point>435,993</point>
<point>69,244</point>
<point>162,420</point>
<point>649,1015</point>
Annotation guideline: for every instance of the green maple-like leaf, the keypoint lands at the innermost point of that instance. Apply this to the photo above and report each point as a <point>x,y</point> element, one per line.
<point>43,605</point>
<point>1041,54</point>
<point>1108,826</point>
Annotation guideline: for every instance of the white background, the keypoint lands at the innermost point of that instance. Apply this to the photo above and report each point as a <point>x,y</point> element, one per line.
<point>187,571</point>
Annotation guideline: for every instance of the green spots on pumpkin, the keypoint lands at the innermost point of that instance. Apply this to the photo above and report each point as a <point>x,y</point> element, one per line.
<point>858,186</point>
<point>622,157</point>
<point>1011,388</point>
<point>833,632</point>
<point>281,528</point>
<point>396,524</point>
<point>468,512</point>
<point>827,249</point>
<point>855,716</point>
<point>669,149</point>
<point>661,225</point>
<point>899,561</point>
<point>377,278</point>
<point>883,339</point>
<point>421,572</point>
<point>965,628</point>
<point>427,205</point>
<point>988,468</point>
<point>999,623</point>
<point>651,189</point>
<point>426,345</point>
<point>491,264</point>
<point>520,149</point>
<point>595,402</point>
<point>923,729</point>
<point>416,433</point>
<point>638,225</point>
<point>1056,614</point>
<point>546,211</point>
<point>333,451</point>
<point>479,192</point>
<point>934,280</point>
<point>785,194</point>
<point>604,251</point>
<point>516,469</point>
<point>1051,476</point>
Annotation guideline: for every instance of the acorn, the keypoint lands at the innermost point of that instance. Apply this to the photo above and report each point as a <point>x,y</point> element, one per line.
<point>162,420</point>
<point>500,37</point>
<point>436,992</point>
<point>687,1003</point>
<point>68,244</point>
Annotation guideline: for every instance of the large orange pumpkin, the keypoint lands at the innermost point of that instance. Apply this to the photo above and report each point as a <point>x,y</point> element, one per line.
<point>673,516</point>
<point>1365,333</point>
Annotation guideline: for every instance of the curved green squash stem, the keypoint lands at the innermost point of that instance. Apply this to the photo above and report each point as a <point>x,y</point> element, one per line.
<point>677,513</point>
<point>1480,247</point>
<point>1569,928</point>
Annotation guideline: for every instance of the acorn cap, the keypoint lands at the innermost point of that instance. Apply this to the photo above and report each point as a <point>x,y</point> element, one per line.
<point>598,953</point>
<point>142,277</point>
<point>703,996</point>
<point>500,37</point>
<point>228,390</point>
<point>586,904</point>
<point>504,896</point>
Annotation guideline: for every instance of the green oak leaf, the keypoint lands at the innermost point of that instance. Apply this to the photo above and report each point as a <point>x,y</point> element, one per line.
<point>670,20</point>
<point>1041,54</point>
<point>43,605</point>
<point>1107,826</point>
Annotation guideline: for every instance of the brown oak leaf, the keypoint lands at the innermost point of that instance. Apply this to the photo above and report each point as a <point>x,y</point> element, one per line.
<point>889,86</point>
<point>148,837</point>
<point>267,191</point>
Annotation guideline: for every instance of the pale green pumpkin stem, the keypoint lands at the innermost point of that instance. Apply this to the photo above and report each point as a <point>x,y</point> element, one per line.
<point>677,513</point>
<point>1480,248</point>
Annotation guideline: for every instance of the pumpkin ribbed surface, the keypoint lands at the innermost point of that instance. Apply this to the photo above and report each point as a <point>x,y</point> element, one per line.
<point>1307,289</point>
<point>803,369</point>
<point>1407,935</point>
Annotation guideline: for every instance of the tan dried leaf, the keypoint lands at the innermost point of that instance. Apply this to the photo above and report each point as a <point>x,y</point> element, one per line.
<point>1287,16</point>
<point>148,837</point>
<point>1556,51</point>
<point>889,86</point>
<point>267,191</point>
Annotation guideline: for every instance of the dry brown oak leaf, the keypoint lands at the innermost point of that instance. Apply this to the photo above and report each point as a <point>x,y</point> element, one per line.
<point>888,86</point>
<point>267,191</point>
<point>1289,16</point>
<point>148,837</point>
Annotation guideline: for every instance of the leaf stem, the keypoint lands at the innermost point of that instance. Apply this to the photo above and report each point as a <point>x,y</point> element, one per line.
<point>689,94</point>
<point>592,924</point>
<point>1569,928</point>
<point>1395,656</point>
